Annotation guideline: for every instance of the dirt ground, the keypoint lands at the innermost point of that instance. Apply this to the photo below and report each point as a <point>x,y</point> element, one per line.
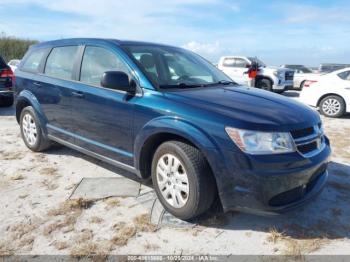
<point>37,217</point>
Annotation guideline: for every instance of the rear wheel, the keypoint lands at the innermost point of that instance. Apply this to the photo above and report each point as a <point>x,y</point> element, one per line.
<point>264,84</point>
<point>31,131</point>
<point>182,180</point>
<point>332,106</point>
<point>6,101</point>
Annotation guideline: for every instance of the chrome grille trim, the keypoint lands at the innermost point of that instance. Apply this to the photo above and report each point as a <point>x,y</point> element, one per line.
<point>317,136</point>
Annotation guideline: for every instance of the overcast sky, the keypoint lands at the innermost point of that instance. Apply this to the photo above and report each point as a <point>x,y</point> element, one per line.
<point>304,32</point>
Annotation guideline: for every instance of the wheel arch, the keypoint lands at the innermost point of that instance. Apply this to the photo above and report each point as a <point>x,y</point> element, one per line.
<point>26,98</point>
<point>162,130</point>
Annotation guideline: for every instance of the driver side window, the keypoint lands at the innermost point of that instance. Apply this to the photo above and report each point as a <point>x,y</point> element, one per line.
<point>96,61</point>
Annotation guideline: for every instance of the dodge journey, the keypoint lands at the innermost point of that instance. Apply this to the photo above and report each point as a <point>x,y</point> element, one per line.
<point>167,114</point>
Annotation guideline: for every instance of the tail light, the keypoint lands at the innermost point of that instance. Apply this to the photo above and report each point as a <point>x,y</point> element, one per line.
<point>7,73</point>
<point>308,83</point>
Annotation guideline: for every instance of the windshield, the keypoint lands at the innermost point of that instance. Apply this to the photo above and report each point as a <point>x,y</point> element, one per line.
<point>171,67</point>
<point>257,60</point>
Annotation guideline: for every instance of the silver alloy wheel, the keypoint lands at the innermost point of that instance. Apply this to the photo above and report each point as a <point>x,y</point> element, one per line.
<point>172,180</point>
<point>331,106</point>
<point>29,129</point>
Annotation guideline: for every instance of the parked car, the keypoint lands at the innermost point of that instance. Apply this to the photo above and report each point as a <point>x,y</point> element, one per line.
<point>330,93</point>
<point>329,67</point>
<point>165,113</point>
<point>6,78</point>
<point>301,74</point>
<point>14,64</point>
<point>269,78</point>
<point>300,69</point>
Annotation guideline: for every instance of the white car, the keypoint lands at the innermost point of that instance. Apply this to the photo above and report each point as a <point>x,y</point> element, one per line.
<point>329,92</point>
<point>268,78</point>
<point>13,64</point>
<point>301,74</point>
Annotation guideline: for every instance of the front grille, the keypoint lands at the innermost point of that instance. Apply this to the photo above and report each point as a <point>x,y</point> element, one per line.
<point>302,132</point>
<point>304,149</point>
<point>289,76</point>
<point>308,140</point>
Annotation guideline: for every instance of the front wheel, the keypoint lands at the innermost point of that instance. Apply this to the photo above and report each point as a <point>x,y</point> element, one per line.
<point>264,84</point>
<point>182,180</point>
<point>332,106</point>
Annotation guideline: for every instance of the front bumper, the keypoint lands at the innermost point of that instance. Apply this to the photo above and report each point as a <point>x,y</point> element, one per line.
<point>280,84</point>
<point>6,93</point>
<point>272,184</point>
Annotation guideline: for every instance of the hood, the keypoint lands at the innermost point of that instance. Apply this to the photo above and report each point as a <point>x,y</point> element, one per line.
<point>248,108</point>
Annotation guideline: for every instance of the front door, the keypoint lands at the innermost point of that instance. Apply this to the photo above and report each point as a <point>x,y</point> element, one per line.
<point>103,117</point>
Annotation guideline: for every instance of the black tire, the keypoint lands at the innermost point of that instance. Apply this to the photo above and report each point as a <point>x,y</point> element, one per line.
<point>338,111</point>
<point>41,142</point>
<point>264,84</point>
<point>202,186</point>
<point>6,101</point>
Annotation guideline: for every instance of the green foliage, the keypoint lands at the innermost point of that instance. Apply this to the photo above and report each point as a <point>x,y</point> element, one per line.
<point>13,47</point>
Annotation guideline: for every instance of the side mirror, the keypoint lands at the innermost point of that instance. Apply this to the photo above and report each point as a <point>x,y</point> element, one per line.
<point>247,65</point>
<point>118,80</point>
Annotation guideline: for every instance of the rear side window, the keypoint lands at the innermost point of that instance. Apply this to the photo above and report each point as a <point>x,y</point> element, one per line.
<point>60,62</point>
<point>235,62</point>
<point>96,61</point>
<point>32,63</point>
<point>345,75</point>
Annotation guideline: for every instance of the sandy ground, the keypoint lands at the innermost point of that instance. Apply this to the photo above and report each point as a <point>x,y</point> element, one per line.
<point>37,217</point>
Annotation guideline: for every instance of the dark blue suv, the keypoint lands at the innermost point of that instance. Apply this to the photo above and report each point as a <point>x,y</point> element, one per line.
<point>165,113</point>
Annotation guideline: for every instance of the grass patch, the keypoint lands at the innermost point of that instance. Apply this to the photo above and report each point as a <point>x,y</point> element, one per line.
<point>111,203</point>
<point>143,223</point>
<point>49,185</point>
<point>17,176</point>
<point>49,171</point>
<point>124,233</point>
<point>11,155</point>
<point>96,220</point>
<point>70,210</point>
<point>60,245</point>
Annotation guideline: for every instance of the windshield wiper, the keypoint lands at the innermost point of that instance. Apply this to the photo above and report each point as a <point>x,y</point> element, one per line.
<point>182,85</point>
<point>222,82</point>
<point>226,82</point>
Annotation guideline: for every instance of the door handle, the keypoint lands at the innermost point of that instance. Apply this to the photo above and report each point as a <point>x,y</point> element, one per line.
<point>37,84</point>
<point>78,94</point>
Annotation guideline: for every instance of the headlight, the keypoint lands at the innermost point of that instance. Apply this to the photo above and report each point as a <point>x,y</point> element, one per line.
<point>260,143</point>
<point>278,74</point>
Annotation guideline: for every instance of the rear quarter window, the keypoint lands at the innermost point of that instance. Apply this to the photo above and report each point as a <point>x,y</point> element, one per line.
<point>33,61</point>
<point>344,75</point>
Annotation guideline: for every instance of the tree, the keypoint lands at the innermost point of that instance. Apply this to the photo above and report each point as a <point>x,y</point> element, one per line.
<point>14,48</point>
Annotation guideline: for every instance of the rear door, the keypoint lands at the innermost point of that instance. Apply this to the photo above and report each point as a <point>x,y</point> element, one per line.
<point>55,91</point>
<point>48,74</point>
<point>103,117</point>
